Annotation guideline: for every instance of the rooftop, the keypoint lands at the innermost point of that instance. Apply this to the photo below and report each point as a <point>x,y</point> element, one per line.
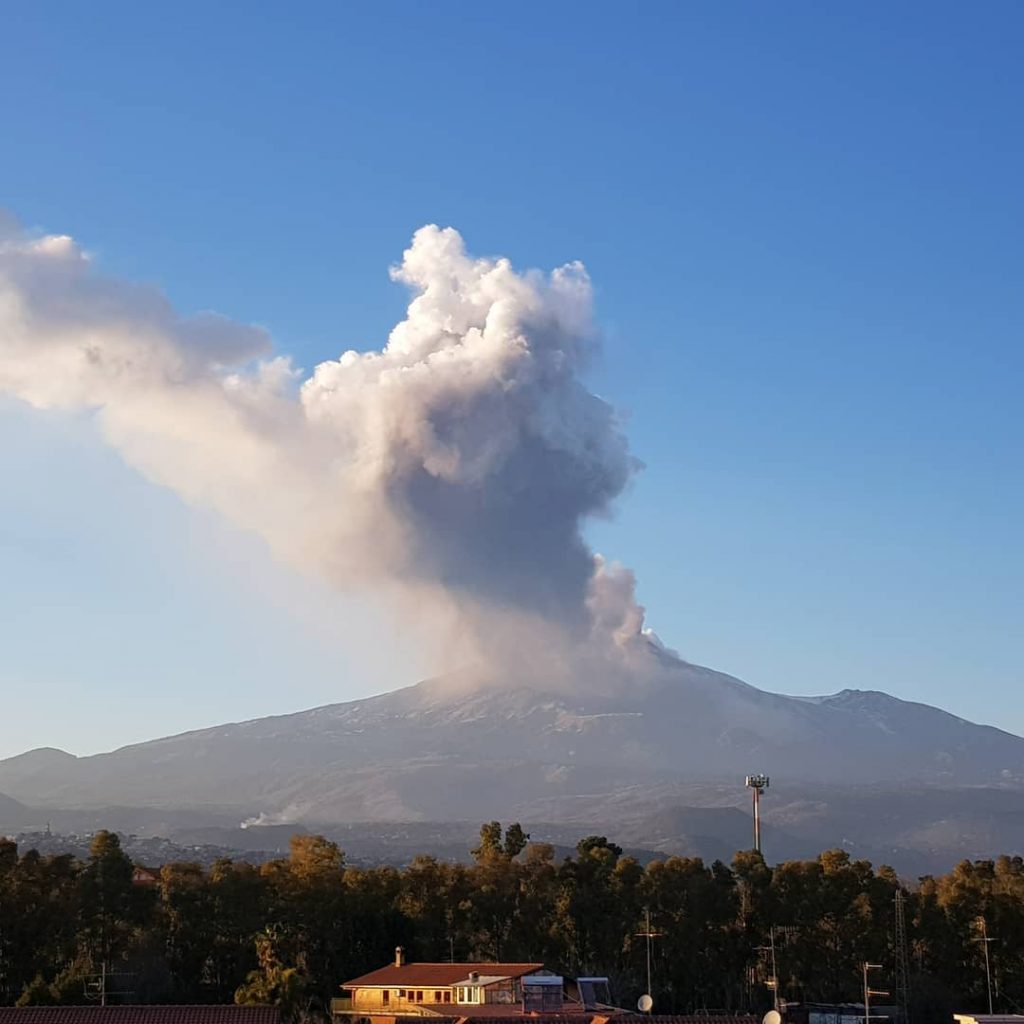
<point>442,975</point>
<point>139,1015</point>
<point>989,1018</point>
<point>499,1014</point>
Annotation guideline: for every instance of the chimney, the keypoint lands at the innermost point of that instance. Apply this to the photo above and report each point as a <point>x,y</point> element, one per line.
<point>399,956</point>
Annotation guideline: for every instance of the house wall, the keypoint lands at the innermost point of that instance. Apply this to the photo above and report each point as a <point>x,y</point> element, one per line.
<point>368,999</point>
<point>373,999</point>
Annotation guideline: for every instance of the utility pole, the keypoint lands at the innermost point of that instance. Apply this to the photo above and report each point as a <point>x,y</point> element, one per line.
<point>773,981</point>
<point>985,939</point>
<point>902,958</point>
<point>869,991</point>
<point>104,942</point>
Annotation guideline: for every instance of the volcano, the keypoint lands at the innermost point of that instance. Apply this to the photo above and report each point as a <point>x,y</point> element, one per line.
<point>856,767</point>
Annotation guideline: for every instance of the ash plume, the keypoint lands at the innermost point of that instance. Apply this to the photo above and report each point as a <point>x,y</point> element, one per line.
<point>453,468</point>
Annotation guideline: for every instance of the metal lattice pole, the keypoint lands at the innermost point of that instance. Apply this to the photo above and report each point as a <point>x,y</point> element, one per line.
<point>902,959</point>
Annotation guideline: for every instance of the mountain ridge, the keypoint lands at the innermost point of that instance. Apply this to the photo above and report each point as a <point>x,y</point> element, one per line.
<point>685,721</point>
<point>628,759</point>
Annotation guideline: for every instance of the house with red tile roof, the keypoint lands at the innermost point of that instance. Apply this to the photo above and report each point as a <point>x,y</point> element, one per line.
<point>490,993</point>
<point>145,878</point>
<point>453,991</point>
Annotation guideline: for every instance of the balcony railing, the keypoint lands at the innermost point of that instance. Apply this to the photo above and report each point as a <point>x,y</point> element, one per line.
<point>395,1008</point>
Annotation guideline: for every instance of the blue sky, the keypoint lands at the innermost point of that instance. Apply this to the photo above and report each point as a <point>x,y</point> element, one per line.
<point>804,226</point>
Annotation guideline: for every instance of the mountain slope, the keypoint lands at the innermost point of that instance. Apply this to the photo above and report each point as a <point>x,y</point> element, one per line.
<point>446,751</point>
<point>13,814</point>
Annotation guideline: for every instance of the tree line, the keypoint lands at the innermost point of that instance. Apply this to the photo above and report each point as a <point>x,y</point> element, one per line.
<point>290,931</point>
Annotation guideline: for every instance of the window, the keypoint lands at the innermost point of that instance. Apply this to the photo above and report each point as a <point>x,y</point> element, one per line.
<point>401,993</point>
<point>448,995</point>
<point>419,995</point>
<point>437,997</point>
<point>385,997</point>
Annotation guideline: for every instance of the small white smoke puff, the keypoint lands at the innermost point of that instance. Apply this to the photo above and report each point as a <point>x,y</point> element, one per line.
<point>455,465</point>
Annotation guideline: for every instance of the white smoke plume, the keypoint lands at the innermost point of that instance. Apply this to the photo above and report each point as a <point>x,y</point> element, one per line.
<point>453,468</point>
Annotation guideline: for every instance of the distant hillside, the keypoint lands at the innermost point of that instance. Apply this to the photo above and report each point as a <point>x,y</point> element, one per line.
<point>13,814</point>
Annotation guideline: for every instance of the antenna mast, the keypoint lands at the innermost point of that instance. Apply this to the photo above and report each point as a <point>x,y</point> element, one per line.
<point>868,990</point>
<point>648,934</point>
<point>985,939</point>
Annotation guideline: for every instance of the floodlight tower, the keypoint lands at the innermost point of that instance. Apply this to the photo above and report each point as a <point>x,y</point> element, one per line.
<point>757,784</point>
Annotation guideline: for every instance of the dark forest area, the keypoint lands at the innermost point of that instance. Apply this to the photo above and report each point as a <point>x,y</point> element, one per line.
<point>292,930</point>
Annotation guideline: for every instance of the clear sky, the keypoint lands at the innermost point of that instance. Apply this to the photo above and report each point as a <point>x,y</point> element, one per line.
<point>804,224</point>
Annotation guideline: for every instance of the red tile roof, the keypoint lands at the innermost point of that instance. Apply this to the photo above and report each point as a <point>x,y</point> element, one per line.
<point>696,1018</point>
<point>442,975</point>
<point>140,1015</point>
<point>572,1015</point>
<point>495,1013</point>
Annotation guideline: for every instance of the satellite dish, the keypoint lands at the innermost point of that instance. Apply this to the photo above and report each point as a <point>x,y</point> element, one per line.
<point>645,1004</point>
<point>772,1017</point>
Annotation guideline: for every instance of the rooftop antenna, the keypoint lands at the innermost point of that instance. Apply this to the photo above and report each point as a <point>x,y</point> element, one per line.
<point>96,985</point>
<point>868,990</point>
<point>646,1002</point>
<point>757,783</point>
